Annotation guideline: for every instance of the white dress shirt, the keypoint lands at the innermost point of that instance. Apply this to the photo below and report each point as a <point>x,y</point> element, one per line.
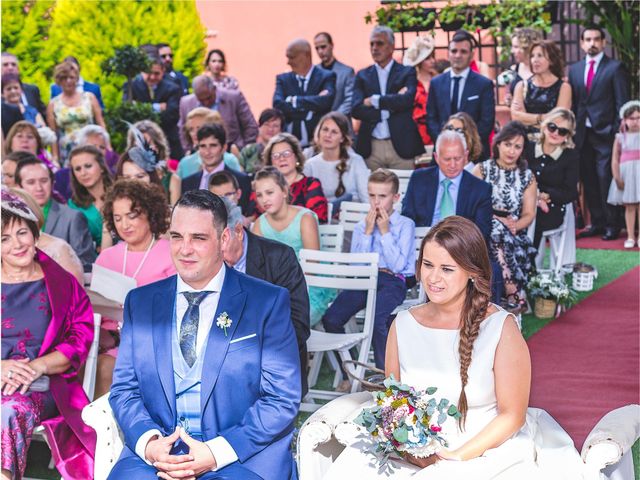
<point>463,80</point>
<point>598,59</point>
<point>222,451</point>
<point>381,131</point>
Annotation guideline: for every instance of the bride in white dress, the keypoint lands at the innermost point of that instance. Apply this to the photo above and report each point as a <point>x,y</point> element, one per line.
<point>475,354</point>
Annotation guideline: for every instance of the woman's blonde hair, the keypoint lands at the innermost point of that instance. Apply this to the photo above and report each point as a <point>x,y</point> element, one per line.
<point>564,114</point>
<point>208,115</point>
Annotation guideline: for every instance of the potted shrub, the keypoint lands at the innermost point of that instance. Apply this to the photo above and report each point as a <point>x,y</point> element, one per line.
<point>548,291</point>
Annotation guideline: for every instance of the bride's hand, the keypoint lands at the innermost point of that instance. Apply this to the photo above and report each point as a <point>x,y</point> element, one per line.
<point>445,454</point>
<point>421,462</point>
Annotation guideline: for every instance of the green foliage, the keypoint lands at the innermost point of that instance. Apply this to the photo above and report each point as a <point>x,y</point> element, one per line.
<point>41,33</point>
<point>621,19</point>
<point>404,19</point>
<point>128,61</point>
<point>131,112</point>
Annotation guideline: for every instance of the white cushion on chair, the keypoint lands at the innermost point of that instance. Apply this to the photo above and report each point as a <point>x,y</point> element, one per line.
<point>109,440</point>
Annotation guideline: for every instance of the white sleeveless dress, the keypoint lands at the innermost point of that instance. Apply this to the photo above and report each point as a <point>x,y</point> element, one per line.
<point>429,357</point>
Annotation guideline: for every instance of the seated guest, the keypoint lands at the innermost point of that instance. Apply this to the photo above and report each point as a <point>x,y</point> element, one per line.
<point>10,115</point>
<point>225,185</point>
<point>239,123</point>
<point>269,124</point>
<point>215,67</point>
<point>555,164</point>
<point>462,122</point>
<point>12,94</point>
<point>9,163</point>
<point>90,180</point>
<point>305,93</point>
<point>292,225</point>
<point>341,171</point>
<point>385,232</point>
<point>283,152</point>
<point>192,163</point>
<point>98,137</point>
<point>138,213</point>
<point>25,137</point>
<point>513,201</point>
<point>211,142</point>
<point>31,92</point>
<point>46,335</point>
<point>275,263</point>
<point>56,248</point>
<point>82,86</point>
<point>59,220</point>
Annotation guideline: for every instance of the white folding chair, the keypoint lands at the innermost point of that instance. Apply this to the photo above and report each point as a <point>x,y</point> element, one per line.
<point>344,271</point>
<point>411,300</point>
<point>403,176</point>
<point>329,212</point>
<point>562,242</point>
<point>331,238</point>
<point>351,213</point>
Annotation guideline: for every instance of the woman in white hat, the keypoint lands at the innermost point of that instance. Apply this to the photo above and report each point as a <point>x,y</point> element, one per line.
<point>421,55</point>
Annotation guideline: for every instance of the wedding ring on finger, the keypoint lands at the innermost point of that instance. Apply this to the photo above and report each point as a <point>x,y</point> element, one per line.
<point>9,374</point>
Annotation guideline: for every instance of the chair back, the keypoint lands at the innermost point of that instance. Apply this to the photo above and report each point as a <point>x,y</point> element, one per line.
<point>351,213</point>
<point>403,176</point>
<point>331,238</point>
<point>91,366</point>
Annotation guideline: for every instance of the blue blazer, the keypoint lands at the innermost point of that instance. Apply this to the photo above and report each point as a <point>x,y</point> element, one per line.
<point>473,202</point>
<point>250,388</point>
<point>309,101</point>
<point>477,100</point>
<point>404,133</point>
<point>87,87</point>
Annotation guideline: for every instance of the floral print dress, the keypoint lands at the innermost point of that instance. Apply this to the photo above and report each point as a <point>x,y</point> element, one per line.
<point>70,119</point>
<point>515,253</point>
<point>26,314</point>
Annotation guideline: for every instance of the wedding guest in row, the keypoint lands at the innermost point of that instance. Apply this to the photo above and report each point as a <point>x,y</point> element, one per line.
<point>521,42</point>
<point>323,44</point>
<point>270,124</point>
<point>98,137</point>
<point>82,84</point>
<point>462,122</point>
<point>9,163</point>
<point>25,137</point>
<point>10,64</point>
<point>12,94</point>
<point>139,214</point>
<point>46,335</point>
<point>215,67</point>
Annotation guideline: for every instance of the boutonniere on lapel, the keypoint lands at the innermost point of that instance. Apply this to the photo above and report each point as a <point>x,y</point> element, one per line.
<point>223,321</point>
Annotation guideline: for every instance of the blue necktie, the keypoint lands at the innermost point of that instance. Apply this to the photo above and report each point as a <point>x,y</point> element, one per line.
<point>446,202</point>
<point>189,326</point>
<point>456,94</point>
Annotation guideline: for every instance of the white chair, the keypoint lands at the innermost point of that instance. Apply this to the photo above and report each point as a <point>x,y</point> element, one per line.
<point>109,439</point>
<point>562,241</point>
<point>411,299</point>
<point>403,176</point>
<point>351,213</point>
<point>329,212</point>
<point>331,238</point>
<point>606,453</point>
<point>344,271</point>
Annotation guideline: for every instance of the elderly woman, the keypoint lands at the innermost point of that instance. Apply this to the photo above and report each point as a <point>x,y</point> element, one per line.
<point>98,137</point>
<point>216,66</point>
<point>71,110</point>
<point>513,197</point>
<point>283,152</point>
<point>555,164</point>
<point>545,89</point>
<point>192,163</point>
<point>138,213</point>
<point>421,55</point>
<point>462,122</point>
<point>269,124</point>
<point>25,137</point>
<point>47,330</point>
<point>341,171</point>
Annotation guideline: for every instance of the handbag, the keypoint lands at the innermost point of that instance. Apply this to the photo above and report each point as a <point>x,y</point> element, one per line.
<point>41,384</point>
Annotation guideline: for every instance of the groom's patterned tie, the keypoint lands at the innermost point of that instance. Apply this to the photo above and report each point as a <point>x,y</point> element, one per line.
<point>189,326</point>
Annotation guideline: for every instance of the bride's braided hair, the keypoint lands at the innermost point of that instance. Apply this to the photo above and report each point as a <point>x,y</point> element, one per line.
<point>466,245</point>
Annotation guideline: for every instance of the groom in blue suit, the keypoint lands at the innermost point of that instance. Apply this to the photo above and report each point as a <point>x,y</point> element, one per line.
<point>207,381</point>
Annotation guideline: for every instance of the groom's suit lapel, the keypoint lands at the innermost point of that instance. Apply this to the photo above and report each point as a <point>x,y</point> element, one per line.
<point>163,311</point>
<point>232,301</point>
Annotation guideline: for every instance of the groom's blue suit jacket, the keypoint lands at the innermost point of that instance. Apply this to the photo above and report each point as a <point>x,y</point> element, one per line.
<point>250,388</point>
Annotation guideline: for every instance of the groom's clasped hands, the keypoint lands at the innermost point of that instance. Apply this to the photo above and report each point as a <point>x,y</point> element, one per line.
<point>170,467</point>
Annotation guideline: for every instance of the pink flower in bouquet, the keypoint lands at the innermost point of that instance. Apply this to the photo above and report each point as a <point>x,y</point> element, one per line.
<point>401,413</point>
<point>435,428</point>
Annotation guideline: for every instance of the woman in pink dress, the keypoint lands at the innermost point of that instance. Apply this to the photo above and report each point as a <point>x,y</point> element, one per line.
<point>139,213</point>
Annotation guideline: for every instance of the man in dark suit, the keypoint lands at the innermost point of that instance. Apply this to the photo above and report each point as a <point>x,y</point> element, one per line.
<point>461,90</point>
<point>305,93</point>
<point>448,189</point>
<point>10,115</point>
<point>166,54</point>
<point>30,93</point>
<point>211,145</point>
<point>345,75</point>
<point>164,95</point>
<point>83,85</point>
<point>600,86</point>
<point>273,262</point>
<point>239,122</point>
<point>383,96</point>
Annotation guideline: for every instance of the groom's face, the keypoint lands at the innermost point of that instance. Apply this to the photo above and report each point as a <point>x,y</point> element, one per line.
<point>195,245</point>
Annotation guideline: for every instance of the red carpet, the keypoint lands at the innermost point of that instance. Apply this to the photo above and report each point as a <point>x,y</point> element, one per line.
<point>596,243</point>
<point>585,363</point>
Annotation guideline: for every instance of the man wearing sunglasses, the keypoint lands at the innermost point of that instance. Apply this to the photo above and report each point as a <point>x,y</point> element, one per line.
<point>600,86</point>
<point>166,54</point>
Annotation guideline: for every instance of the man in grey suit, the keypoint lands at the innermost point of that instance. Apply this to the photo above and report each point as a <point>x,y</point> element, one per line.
<point>70,225</point>
<point>239,123</point>
<point>323,44</point>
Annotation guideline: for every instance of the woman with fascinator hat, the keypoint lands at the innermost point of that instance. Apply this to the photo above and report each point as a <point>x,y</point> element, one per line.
<point>421,54</point>
<point>47,330</point>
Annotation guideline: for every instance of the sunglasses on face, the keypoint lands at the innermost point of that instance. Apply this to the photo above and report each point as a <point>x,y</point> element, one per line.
<point>454,129</point>
<point>553,128</point>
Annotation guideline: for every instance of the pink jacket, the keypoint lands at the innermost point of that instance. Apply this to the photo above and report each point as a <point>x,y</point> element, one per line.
<point>71,333</point>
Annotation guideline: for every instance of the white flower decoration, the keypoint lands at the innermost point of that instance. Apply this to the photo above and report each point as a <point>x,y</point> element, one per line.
<point>223,321</point>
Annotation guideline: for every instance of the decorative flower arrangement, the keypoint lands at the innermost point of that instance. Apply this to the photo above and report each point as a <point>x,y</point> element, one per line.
<point>505,78</point>
<point>405,420</point>
<point>552,286</point>
<point>223,321</point>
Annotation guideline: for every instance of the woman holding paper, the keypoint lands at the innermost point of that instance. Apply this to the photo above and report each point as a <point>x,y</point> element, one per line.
<point>138,212</point>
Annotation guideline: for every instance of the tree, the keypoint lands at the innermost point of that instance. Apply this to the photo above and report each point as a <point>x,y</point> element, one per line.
<point>128,61</point>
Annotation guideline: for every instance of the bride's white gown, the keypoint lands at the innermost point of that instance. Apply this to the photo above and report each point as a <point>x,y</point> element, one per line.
<point>429,357</point>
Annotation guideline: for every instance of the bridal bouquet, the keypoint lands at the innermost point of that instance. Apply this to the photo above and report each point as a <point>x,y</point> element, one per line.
<point>405,420</point>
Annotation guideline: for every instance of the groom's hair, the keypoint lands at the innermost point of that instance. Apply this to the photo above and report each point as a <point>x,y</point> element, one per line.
<point>205,200</point>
